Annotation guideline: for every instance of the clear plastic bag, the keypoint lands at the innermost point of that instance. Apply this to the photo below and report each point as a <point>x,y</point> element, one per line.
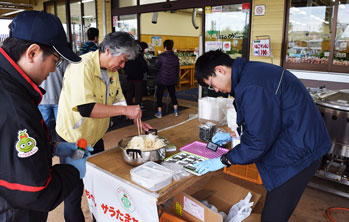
<point>241,210</point>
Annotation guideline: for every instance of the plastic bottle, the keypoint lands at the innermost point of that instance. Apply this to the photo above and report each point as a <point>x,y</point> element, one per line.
<point>80,152</point>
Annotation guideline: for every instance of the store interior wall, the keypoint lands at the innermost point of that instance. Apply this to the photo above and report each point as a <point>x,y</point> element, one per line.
<point>168,23</point>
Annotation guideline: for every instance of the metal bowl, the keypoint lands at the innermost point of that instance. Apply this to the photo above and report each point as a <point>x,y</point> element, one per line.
<point>137,157</point>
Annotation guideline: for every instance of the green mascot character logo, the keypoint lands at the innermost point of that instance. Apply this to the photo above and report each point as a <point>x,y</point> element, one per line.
<point>26,145</point>
<point>126,201</point>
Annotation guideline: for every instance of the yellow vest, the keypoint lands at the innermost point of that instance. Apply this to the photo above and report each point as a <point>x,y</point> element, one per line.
<point>82,84</point>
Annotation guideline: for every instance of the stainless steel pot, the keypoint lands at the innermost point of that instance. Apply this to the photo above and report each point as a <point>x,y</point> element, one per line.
<point>136,157</point>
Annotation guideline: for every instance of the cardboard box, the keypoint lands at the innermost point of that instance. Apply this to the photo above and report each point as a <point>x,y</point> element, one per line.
<point>217,191</point>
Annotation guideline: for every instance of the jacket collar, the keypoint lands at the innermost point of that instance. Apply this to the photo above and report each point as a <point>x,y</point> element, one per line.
<point>168,52</point>
<point>7,63</point>
<point>94,57</point>
<point>236,72</point>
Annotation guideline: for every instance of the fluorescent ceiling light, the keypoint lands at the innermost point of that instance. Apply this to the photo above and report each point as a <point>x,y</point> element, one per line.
<point>14,12</point>
<point>86,1</point>
<point>87,16</point>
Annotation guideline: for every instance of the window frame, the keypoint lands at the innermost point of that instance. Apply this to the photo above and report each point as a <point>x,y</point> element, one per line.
<point>330,67</point>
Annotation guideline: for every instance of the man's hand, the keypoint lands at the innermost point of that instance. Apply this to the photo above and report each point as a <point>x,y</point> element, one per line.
<point>145,126</point>
<point>209,165</point>
<point>220,138</point>
<point>133,112</point>
<point>65,149</point>
<point>79,164</point>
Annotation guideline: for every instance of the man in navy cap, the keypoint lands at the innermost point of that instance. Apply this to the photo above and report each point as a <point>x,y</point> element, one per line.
<point>29,185</point>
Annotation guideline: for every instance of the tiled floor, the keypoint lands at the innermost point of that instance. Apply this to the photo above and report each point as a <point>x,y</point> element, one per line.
<point>311,207</point>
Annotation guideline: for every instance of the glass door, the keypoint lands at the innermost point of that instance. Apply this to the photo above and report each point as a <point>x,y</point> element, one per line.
<point>227,28</point>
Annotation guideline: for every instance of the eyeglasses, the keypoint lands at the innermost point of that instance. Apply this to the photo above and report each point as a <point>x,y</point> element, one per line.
<point>60,59</point>
<point>210,85</point>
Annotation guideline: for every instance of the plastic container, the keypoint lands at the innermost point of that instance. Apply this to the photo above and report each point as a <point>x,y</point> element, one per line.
<point>80,151</point>
<point>152,176</point>
<point>246,172</point>
<point>213,109</point>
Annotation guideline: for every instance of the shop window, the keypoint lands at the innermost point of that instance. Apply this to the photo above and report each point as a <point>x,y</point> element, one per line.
<point>126,23</point>
<point>76,26</point>
<point>89,16</point>
<point>4,31</point>
<point>82,16</point>
<point>341,49</point>
<point>221,33</point>
<point>310,36</point>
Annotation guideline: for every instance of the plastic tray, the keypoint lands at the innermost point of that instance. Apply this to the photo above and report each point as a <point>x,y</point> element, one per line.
<point>199,148</point>
<point>152,176</point>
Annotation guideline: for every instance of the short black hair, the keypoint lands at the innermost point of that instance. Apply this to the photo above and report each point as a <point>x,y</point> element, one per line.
<point>16,47</point>
<point>168,44</point>
<point>92,33</point>
<point>143,45</point>
<point>205,65</point>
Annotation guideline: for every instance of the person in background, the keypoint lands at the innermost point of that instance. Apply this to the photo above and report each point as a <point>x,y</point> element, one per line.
<point>167,77</point>
<point>30,186</point>
<point>135,69</point>
<point>53,86</point>
<point>281,129</point>
<point>92,43</point>
<point>85,106</point>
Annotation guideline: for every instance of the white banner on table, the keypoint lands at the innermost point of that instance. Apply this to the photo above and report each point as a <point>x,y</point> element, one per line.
<point>112,199</point>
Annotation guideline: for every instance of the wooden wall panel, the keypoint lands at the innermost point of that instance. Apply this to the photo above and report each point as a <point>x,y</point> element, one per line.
<point>269,24</point>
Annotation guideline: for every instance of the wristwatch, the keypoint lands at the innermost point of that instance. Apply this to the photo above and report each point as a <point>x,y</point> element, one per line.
<point>225,161</point>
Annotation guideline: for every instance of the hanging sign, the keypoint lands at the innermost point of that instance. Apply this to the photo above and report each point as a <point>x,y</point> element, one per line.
<point>245,7</point>
<point>115,21</point>
<point>261,47</point>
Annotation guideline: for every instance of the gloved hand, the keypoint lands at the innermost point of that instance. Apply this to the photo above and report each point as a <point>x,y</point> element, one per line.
<point>220,138</point>
<point>65,149</point>
<point>209,165</point>
<point>79,164</point>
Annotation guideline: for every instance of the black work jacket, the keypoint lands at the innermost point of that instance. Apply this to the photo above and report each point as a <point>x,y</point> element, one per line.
<point>29,185</point>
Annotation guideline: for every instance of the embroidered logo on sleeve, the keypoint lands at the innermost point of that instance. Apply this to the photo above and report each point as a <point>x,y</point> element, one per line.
<point>26,145</point>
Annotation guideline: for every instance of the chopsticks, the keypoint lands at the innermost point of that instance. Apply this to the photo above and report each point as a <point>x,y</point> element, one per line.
<point>139,126</point>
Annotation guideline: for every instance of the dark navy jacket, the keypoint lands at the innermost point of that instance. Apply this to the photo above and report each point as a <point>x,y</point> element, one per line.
<point>135,69</point>
<point>29,185</point>
<point>168,68</point>
<point>282,129</point>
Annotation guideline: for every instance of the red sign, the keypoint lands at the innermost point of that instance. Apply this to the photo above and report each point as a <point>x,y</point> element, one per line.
<point>245,6</point>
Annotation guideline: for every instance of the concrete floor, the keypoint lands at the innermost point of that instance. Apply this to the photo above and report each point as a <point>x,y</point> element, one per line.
<point>311,207</point>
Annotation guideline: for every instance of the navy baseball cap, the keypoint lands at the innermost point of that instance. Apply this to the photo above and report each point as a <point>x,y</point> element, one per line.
<point>43,28</point>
